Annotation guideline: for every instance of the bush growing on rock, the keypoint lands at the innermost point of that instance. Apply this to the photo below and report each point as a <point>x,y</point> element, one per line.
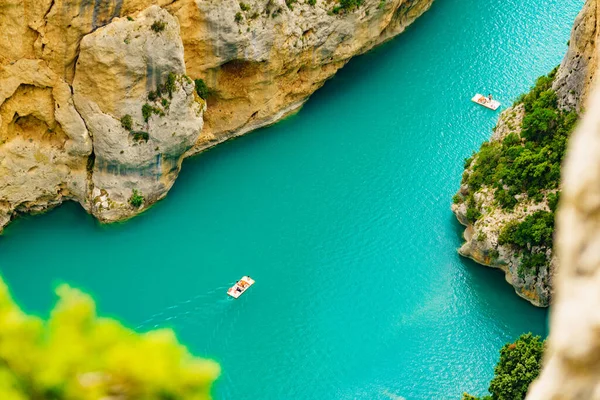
<point>244,6</point>
<point>535,230</point>
<point>170,84</point>
<point>138,136</point>
<point>347,5</point>
<point>473,214</point>
<point>127,122</point>
<point>77,355</point>
<point>201,88</point>
<point>136,200</point>
<point>158,26</point>
<point>238,17</point>
<point>148,110</point>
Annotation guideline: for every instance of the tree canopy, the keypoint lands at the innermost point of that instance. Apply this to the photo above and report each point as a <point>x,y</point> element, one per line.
<point>519,366</point>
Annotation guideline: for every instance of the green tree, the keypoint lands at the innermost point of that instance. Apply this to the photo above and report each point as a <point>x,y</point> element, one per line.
<point>76,355</point>
<point>539,123</point>
<point>519,366</point>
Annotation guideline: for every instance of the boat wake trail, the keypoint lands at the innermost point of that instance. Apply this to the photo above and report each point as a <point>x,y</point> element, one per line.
<point>197,312</point>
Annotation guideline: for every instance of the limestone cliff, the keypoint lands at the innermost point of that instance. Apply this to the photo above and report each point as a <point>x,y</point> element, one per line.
<point>482,236</point>
<point>479,209</point>
<point>74,75</point>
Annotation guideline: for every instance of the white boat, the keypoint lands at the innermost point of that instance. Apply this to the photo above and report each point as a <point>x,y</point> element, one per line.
<point>240,287</point>
<point>486,102</point>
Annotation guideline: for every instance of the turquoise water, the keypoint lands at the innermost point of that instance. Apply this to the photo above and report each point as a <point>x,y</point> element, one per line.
<point>341,214</point>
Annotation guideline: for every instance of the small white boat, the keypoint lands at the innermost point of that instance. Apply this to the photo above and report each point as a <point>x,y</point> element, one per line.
<point>486,102</point>
<point>240,287</point>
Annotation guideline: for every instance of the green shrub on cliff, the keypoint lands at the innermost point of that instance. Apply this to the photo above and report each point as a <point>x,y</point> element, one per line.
<point>347,6</point>
<point>77,355</point>
<point>127,122</point>
<point>524,169</point>
<point>148,110</point>
<point>532,237</point>
<point>139,136</point>
<point>136,200</point>
<point>201,88</point>
<point>158,26</point>
<point>535,230</point>
<point>519,365</point>
<point>170,84</point>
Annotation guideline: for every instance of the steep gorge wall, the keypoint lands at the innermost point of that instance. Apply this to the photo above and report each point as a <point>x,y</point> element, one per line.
<point>572,84</point>
<point>71,69</point>
<point>571,365</point>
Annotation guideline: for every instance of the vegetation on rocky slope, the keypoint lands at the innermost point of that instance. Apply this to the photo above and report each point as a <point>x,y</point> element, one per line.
<point>77,355</point>
<point>519,366</point>
<point>523,168</point>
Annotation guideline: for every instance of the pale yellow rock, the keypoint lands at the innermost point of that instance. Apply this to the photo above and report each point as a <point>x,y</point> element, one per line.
<point>261,68</point>
<point>118,66</point>
<point>267,65</point>
<point>44,143</point>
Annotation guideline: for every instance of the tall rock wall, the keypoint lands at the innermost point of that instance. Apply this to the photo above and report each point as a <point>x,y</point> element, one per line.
<point>70,70</point>
<point>571,362</point>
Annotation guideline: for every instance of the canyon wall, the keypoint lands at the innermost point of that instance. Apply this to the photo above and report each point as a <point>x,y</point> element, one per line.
<point>97,99</point>
<point>572,359</point>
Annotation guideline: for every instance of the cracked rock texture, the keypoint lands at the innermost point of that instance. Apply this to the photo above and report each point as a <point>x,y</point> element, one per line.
<point>71,69</point>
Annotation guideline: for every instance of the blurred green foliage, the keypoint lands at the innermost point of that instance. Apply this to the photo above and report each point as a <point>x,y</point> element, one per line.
<point>78,355</point>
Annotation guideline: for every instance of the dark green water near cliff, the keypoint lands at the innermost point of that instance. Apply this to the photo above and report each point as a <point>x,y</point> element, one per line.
<point>341,214</point>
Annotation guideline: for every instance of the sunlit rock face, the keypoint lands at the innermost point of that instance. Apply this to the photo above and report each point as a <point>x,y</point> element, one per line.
<point>266,62</point>
<point>70,70</point>
<point>119,66</point>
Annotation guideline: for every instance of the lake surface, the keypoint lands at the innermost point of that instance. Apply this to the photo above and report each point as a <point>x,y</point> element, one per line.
<point>341,214</point>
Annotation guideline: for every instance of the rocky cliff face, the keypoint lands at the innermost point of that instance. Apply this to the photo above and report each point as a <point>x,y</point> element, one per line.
<point>571,364</point>
<point>576,75</point>
<point>75,76</point>
<point>571,84</point>
<point>482,236</point>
